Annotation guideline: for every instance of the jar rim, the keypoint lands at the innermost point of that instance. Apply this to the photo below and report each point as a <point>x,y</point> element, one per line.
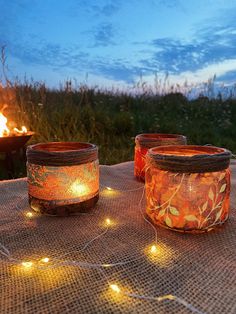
<point>154,136</point>
<point>61,153</point>
<point>190,158</point>
<point>187,150</point>
<point>61,147</point>
<point>149,140</point>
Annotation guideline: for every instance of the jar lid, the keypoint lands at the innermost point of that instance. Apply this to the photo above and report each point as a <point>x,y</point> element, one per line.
<point>61,153</point>
<point>190,158</point>
<point>149,140</point>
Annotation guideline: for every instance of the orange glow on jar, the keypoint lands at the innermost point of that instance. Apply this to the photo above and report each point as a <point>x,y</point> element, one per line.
<point>145,141</point>
<point>188,187</point>
<point>63,177</point>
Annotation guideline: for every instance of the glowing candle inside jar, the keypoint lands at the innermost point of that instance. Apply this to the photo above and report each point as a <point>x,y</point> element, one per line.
<point>78,189</point>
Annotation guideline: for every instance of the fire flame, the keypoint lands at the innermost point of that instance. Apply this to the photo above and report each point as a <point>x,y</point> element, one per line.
<point>22,131</point>
<point>5,131</point>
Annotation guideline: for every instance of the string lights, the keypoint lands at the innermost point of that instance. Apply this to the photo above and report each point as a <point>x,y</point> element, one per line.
<point>114,287</point>
<point>108,221</point>
<point>27,264</point>
<point>45,260</point>
<point>29,215</point>
<point>153,249</point>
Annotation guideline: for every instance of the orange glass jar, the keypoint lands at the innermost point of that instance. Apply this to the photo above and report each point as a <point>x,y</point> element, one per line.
<point>145,141</point>
<point>63,177</point>
<point>188,187</point>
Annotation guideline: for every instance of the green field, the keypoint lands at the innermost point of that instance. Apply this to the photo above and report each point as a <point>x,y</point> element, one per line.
<point>112,119</point>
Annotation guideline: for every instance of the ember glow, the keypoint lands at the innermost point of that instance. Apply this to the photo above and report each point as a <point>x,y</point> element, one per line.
<point>5,131</point>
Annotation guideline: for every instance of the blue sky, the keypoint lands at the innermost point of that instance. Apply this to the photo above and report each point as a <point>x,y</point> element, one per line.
<point>108,43</point>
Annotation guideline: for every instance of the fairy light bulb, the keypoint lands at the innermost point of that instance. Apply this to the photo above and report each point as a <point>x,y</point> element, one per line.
<point>153,249</point>
<point>27,264</point>
<point>45,260</point>
<point>106,265</point>
<point>108,221</point>
<point>108,188</point>
<point>115,288</point>
<point>29,214</point>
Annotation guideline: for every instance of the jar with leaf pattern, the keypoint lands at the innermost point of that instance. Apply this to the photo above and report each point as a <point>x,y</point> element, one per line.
<point>188,187</point>
<point>63,177</point>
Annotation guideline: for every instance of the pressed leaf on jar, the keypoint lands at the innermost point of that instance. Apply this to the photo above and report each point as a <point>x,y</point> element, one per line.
<point>223,187</point>
<point>168,221</point>
<point>174,211</point>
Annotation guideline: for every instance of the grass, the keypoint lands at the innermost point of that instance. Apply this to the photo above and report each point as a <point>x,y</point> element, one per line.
<point>111,119</point>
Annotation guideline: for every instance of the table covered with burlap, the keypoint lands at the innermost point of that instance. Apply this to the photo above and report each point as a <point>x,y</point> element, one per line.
<point>199,271</point>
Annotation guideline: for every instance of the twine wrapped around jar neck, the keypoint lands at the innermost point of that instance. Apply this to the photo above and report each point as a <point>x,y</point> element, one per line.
<point>200,158</point>
<point>150,140</point>
<point>61,153</point>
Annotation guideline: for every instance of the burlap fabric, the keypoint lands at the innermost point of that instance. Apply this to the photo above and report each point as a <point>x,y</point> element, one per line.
<point>201,269</point>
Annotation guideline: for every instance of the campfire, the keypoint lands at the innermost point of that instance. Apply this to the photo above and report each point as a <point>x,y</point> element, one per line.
<point>6,131</point>
<point>12,138</point>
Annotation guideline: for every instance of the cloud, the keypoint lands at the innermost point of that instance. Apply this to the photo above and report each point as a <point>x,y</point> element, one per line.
<point>49,54</point>
<point>118,71</point>
<point>168,4</point>
<point>229,77</point>
<point>103,35</point>
<point>103,9</point>
<point>212,50</point>
<point>220,69</point>
<point>109,9</point>
<point>70,59</point>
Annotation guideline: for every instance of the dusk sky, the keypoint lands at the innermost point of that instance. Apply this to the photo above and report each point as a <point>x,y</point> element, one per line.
<point>115,42</point>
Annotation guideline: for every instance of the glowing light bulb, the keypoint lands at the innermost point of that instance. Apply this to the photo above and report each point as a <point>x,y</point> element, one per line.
<point>108,221</point>
<point>45,260</point>
<point>27,264</point>
<point>108,188</point>
<point>153,249</point>
<point>115,288</point>
<point>166,297</point>
<point>106,265</point>
<point>29,215</point>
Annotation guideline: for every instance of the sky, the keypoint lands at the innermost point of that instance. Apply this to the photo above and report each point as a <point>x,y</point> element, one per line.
<point>116,43</point>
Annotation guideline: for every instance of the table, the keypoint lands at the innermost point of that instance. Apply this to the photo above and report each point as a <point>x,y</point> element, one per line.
<point>199,270</point>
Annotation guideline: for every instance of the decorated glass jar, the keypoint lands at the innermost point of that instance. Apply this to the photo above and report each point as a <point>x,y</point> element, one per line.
<point>63,177</point>
<point>145,141</point>
<point>188,187</point>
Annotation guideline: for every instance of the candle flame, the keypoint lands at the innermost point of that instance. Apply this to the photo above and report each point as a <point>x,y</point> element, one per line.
<point>79,189</point>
